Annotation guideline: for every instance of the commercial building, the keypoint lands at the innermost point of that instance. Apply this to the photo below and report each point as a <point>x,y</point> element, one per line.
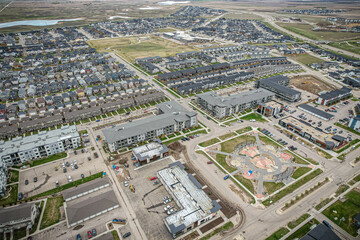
<point>316,112</point>
<point>81,211</point>
<point>172,117</point>
<point>195,205</point>
<point>17,217</point>
<point>334,96</point>
<point>226,106</point>
<point>278,85</point>
<point>150,152</point>
<point>320,232</point>
<point>270,109</point>
<point>45,143</point>
<point>314,135</point>
<point>86,188</point>
<point>355,123</point>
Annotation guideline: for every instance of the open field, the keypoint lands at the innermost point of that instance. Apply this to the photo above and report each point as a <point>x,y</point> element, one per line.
<point>51,212</point>
<point>347,209</point>
<point>139,47</point>
<point>306,58</point>
<point>312,19</point>
<point>100,11</point>
<point>350,46</point>
<point>306,31</point>
<point>248,16</point>
<point>311,84</point>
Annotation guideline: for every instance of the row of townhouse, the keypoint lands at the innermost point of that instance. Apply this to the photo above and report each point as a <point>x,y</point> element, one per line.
<point>222,107</point>
<point>278,85</point>
<point>172,117</point>
<point>332,97</point>
<point>212,82</point>
<point>74,113</point>
<point>187,63</point>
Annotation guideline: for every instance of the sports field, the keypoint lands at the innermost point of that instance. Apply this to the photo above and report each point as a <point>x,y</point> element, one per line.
<point>306,31</point>
<point>139,47</point>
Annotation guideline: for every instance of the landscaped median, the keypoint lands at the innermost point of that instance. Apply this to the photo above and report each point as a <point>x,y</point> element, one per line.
<point>278,234</point>
<point>225,227</point>
<point>67,186</point>
<point>51,158</point>
<point>291,188</point>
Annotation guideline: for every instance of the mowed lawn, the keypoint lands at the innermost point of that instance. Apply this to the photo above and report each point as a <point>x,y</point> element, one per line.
<point>347,209</point>
<point>306,30</point>
<point>139,47</point>
<point>306,59</point>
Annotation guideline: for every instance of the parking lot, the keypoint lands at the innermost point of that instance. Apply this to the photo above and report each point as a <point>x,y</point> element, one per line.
<point>47,175</point>
<point>148,199</point>
<point>62,232</point>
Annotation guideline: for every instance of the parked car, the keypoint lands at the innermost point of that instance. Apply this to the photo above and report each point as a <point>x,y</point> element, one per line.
<point>76,166</point>
<point>57,184</point>
<point>156,182</point>
<point>64,170</point>
<point>96,155</point>
<point>35,179</point>
<point>82,175</point>
<point>126,184</point>
<point>93,231</point>
<point>75,152</point>
<point>78,237</point>
<point>70,179</point>
<point>20,196</point>
<point>226,177</point>
<point>153,178</point>
<point>209,162</point>
<point>67,164</point>
<point>26,182</point>
<point>126,234</point>
<point>89,234</point>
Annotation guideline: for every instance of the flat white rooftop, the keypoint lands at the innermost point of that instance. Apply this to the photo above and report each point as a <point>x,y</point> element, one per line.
<point>195,204</point>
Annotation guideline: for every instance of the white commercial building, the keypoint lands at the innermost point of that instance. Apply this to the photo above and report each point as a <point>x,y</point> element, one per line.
<point>195,205</point>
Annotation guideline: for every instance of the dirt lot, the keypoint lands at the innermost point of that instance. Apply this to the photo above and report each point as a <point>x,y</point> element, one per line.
<point>311,84</point>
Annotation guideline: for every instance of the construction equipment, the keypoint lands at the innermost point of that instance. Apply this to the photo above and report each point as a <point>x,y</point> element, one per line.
<point>132,188</point>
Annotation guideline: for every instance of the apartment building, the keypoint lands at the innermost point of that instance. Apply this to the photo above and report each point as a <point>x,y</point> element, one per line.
<point>17,217</point>
<point>329,98</point>
<point>278,85</point>
<point>270,109</point>
<point>226,106</point>
<point>172,117</point>
<point>45,143</point>
<point>196,208</point>
<point>3,178</point>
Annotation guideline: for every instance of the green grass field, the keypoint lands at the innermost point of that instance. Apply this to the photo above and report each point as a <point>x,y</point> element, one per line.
<point>255,116</point>
<point>296,222</point>
<point>350,46</point>
<point>278,234</point>
<point>306,59</point>
<point>51,212</point>
<point>229,146</point>
<point>272,186</point>
<point>347,209</point>
<point>134,47</point>
<point>209,142</point>
<point>306,31</point>
<point>300,171</point>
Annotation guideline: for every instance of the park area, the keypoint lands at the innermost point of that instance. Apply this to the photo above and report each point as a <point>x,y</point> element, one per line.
<point>139,47</point>
<point>306,31</point>
<point>343,212</point>
<point>259,164</point>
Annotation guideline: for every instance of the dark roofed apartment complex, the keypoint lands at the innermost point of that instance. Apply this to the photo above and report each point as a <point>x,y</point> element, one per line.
<point>226,106</point>
<point>334,96</point>
<point>278,85</point>
<point>172,117</point>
